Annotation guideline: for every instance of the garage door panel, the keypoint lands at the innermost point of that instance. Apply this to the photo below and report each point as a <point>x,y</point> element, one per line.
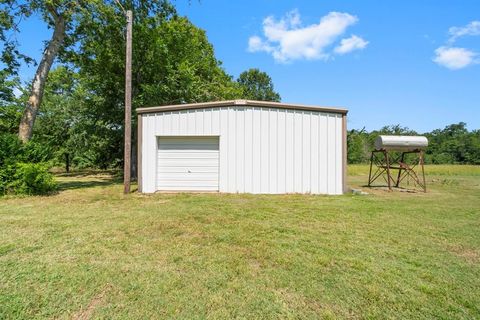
<point>188,184</point>
<point>188,156</point>
<point>176,169</point>
<point>189,147</point>
<point>184,176</point>
<point>184,188</point>
<point>188,163</point>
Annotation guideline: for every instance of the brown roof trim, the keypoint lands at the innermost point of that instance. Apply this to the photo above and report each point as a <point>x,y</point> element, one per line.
<point>344,153</point>
<point>244,103</point>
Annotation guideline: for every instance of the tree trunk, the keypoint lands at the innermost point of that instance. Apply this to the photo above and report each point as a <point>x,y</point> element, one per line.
<point>38,85</point>
<point>67,162</point>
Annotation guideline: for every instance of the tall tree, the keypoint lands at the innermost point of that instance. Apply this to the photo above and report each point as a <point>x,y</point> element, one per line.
<point>257,85</point>
<point>57,14</point>
<point>58,123</point>
<point>10,61</point>
<point>67,19</point>
<point>58,17</point>
<point>173,62</point>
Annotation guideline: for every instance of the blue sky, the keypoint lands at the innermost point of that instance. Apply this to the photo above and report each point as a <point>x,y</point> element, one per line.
<point>414,63</point>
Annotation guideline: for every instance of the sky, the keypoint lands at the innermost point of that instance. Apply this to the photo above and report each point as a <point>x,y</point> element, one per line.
<point>413,62</point>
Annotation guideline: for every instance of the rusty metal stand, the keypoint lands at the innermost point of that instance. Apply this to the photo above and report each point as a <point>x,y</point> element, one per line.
<point>386,163</point>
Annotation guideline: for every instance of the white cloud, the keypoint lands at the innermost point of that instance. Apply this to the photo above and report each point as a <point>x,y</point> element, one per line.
<point>256,44</point>
<point>286,40</point>
<point>350,44</point>
<point>471,29</point>
<point>454,58</point>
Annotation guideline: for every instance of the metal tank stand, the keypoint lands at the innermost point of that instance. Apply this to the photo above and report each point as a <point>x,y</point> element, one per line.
<point>386,163</point>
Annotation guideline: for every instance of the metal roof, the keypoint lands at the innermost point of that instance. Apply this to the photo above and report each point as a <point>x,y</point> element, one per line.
<point>240,103</point>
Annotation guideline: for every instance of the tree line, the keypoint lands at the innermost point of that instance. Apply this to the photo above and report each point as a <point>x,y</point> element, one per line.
<point>454,144</point>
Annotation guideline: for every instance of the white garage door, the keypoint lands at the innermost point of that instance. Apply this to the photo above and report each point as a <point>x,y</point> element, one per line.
<point>187,163</point>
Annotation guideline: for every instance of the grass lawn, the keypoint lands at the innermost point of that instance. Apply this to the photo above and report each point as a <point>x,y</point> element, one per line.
<point>91,252</point>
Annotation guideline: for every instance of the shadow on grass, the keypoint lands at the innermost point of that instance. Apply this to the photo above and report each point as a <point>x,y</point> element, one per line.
<point>399,188</point>
<point>82,179</point>
<point>88,173</point>
<point>71,185</point>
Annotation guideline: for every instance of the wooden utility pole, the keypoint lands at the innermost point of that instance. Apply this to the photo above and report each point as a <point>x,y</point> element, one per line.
<point>128,105</point>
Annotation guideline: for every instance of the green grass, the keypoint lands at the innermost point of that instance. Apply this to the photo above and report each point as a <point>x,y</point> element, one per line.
<point>90,251</point>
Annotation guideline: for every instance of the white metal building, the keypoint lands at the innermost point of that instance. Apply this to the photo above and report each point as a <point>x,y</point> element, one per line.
<point>242,146</point>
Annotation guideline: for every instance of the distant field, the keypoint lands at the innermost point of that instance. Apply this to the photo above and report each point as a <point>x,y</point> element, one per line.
<point>91,252</point>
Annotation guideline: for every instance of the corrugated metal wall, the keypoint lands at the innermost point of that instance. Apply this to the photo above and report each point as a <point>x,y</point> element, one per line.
<point>262,150</point>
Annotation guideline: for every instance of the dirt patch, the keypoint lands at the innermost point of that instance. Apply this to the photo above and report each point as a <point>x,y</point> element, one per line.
<point>468,254</point>
<point>85,314</point>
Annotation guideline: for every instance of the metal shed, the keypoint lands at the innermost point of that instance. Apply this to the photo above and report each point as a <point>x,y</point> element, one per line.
<point>242,146</point>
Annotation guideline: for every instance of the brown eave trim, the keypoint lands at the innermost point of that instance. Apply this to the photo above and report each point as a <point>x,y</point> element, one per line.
<point>241,103</point>
<point>295,106</point>
<point>344,153</point>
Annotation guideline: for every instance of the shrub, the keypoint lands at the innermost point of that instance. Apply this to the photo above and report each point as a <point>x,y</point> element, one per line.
<point>34,151</point>
<point>24,167</point>
<point>32,179</point>
<point>11,149</point>
<point>7,172</point>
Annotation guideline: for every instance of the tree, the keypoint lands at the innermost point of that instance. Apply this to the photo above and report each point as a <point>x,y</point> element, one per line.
<point>173,62</point>
<point>180,67</point>
<point>57,14</point>
<point>257,85</point>
<point>11,59</point>
<point>395,130</point>
<point>10,104</point>
<point>454,144</point>
<point>358,147</point>
<point>67,18</point>
<point>61,115</point>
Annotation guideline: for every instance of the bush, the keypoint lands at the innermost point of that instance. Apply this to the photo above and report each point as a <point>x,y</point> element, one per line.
<point>36,152</point>
<point>26,178</point>
<point>7,172</point>
<point>11,149</point>
<point>24,167</point>
<point>32,178</point>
